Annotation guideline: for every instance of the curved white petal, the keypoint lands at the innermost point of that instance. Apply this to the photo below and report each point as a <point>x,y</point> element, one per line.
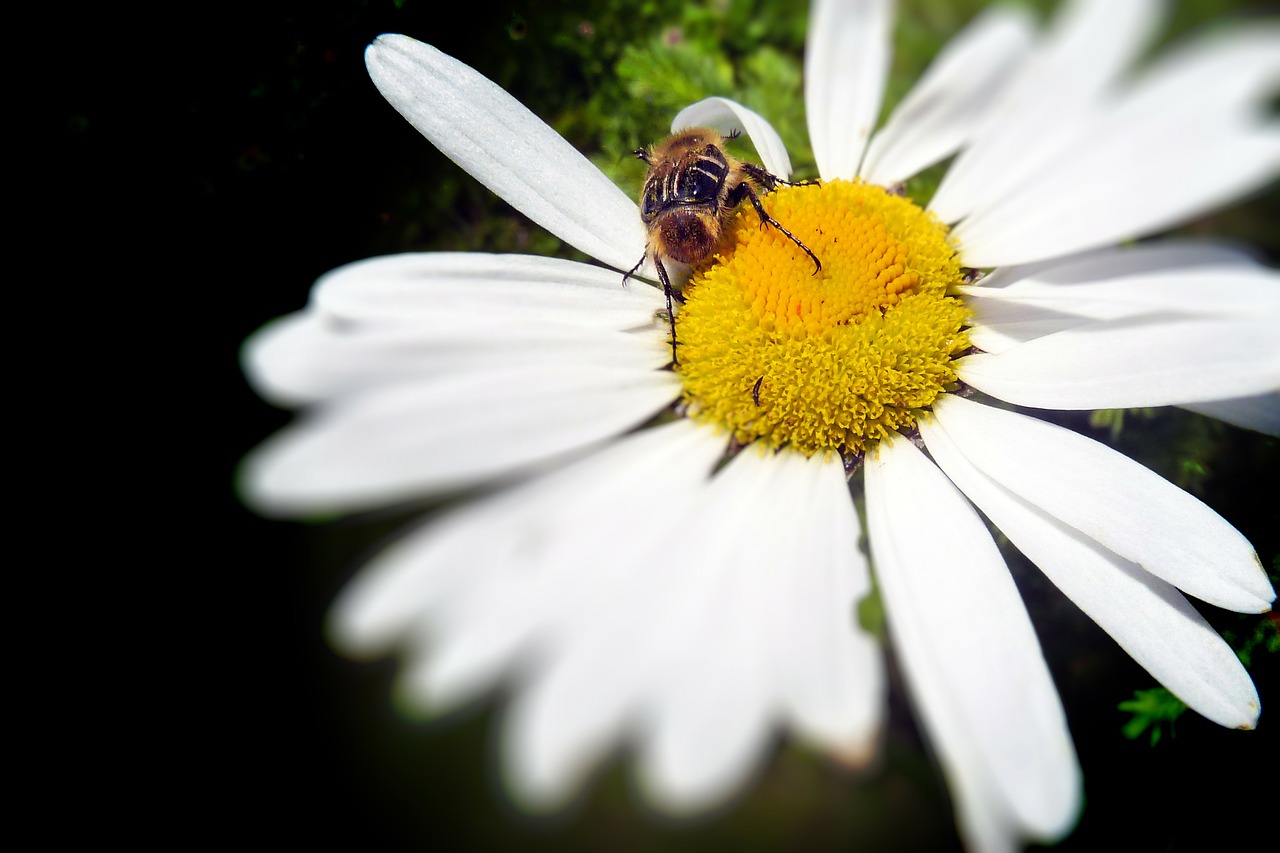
<point>711,708</point>
<point>728,116</point>
<point>708,711</point>
<point>306,358</point>
<point>969,653</point>
<point>684,637</point>
<point>432,567</point>
<point>1143,259</point>
<point>417,288</point>
<point>511,151</point>
<point>1127,508</point>
<point>846,63</point>
<point>403,442</point>
<point>687,636</point>
<point>1189,137</point>
<point>1182,279</point>
<point>1260,413</point>
<point>603,613</point>
<point>413,317</point>
<point>1090,45</point>
<point>543,561</point>
<point>831,671</point>
<point>1147,617</point>
<point>942,110</point>
<point>1161,282</point>
<point>1133,361</point>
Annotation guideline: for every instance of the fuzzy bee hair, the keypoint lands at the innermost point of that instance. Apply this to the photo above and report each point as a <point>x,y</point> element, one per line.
<point>693,187</point>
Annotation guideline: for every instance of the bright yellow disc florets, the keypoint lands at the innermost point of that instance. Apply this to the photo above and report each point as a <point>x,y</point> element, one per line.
<point>831,360</point>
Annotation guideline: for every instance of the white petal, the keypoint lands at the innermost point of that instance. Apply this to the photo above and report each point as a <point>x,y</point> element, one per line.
<point>404,442</point>
<point>527,608</point>
<point>1188,138</point>
<point>427,572</point>
<point>831,671</point>
<point>1127,508</point>
<point>969,652</point>
<point>406,317</point>
<point>700,635</point>
<point>605,652</point>
<point>728,116</point>
<point>553,566</point>
<point>607,613</point>
<point>305,358</point>
<point>1060,85</point>
<point>940,113</point>
<point>710,709</point>
<point>1161,280</point>
<point>1182,278</point>
<point>565,724</point>
<point>1260,413</point>
<point>1166,255</point>
<point>1091,43</point>
<point>1148,617</point>
<point>845,66</point>
<point>507,148</point>
<point>1127,362</point>
<point>413,289</point>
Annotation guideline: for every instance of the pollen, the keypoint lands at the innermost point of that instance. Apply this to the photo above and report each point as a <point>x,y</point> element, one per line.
<point>825,360</point>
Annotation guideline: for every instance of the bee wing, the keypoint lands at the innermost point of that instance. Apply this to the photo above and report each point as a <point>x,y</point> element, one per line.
<point>727,116</point>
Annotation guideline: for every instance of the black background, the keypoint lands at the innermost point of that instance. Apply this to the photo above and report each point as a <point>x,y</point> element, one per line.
<point>207,169</point>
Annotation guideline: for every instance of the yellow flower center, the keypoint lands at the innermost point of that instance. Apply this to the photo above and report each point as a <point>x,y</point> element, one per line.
<point>773,352</point>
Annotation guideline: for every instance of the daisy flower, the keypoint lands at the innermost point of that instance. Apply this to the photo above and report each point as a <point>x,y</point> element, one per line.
<point>667,558</point>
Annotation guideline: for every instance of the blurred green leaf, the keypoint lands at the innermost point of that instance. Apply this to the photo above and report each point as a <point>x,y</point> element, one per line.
<point>1153,711</point>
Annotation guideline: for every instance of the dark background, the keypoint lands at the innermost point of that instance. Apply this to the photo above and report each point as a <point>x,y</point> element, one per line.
<point>210,167</point>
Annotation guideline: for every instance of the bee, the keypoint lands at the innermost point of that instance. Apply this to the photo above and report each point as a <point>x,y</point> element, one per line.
<point>692,189</point>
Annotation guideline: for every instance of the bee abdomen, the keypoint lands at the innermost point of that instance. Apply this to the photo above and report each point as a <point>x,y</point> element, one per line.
<point>689,237</point>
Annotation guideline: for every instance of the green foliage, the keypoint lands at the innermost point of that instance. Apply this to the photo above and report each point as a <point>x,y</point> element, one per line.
<point>1157,709</point>
<point>1113,420</point>
<point>1264,637</point>
<point>870,615</point>
<point>748,52</point>
<point>1186,448</point>
<point>665,76</point>
<point>772,85</point>
<point>609,76</point>
<point>1153,711</point>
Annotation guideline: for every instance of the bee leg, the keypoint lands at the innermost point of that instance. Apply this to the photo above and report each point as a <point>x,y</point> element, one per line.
<point>626,275</point>
<point>643,156</point>
<point>671,312</point>
<point>744,189</point>
<point>769,181</point>
<point>667,290</point>
<point>766,179</point>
